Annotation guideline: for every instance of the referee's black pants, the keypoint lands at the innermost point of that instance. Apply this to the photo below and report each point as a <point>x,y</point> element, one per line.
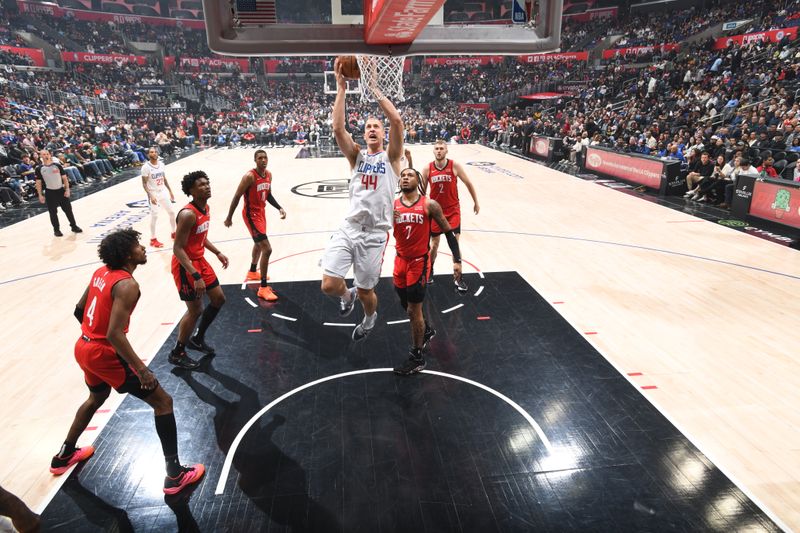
<point>54,198</point>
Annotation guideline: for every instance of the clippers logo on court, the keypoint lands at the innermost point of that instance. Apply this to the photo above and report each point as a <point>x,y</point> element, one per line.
<point>335,189</point>
<point>124,218</point>
<point>491,168</point>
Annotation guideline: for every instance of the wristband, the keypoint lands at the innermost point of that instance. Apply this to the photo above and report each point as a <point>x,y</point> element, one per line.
<point>197,276</point>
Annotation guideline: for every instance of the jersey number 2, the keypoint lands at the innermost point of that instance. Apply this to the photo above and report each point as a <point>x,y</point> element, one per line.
<point>369,181</point>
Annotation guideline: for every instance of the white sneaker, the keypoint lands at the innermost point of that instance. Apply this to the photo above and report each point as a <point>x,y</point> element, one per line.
<point>688,194</point>
<point>346,308</point>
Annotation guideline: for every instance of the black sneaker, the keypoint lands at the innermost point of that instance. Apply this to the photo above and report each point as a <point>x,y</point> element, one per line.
<point>429,334</point>
<point>413,365</point>
<point>182,360</point>
<point>76,229</point>
<point>57,233</point>
<point>461,286</point>
<point>200,345</point>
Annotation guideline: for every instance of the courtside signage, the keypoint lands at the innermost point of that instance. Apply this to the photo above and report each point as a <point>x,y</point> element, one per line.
<point>635,169</point>
<point>777,203</point>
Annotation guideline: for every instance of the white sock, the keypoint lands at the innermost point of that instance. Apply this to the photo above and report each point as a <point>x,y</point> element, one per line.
<point>347,297</point>
<point>369,321</point>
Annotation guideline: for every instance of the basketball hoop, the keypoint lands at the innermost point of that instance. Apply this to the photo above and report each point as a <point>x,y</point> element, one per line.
<point>381,77</point>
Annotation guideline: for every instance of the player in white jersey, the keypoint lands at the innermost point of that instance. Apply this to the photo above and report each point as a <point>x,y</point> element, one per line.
<point>361,240</point>
<point>159,193</point>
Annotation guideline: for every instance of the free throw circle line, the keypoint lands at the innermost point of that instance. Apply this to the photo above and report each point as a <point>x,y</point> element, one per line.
<point>226,467</point>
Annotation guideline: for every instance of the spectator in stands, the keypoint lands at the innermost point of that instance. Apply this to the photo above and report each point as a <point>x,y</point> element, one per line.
<point>767,169</point>
<point>697,172</point>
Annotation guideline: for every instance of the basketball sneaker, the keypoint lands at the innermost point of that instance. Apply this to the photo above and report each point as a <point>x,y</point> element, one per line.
<point>182,360</point>
<point>59,465</point>
<point>57,233</point>
<point>360,332</point>
<point>254,276</point>
<point>429,334</point>
<point>346,308</point>
<point>200,345</point>
<point>187,476</point>
<point>265,293</point>
<point>414,364</point>
<point>76,229</point>
<point>461,286</point>
<point>155,243</point>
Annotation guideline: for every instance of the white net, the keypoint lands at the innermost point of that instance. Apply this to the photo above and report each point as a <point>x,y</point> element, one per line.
<point>381,77</point>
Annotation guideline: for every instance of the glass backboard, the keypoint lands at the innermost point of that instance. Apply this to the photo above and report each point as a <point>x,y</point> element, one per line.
<point>336,27</point>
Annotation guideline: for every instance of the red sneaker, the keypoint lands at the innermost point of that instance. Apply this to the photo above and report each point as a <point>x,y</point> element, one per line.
<point>254,276</point>
<point>188,475</point>
<point>155,243</point>
<point>59,465</point>
<point>267,294</point>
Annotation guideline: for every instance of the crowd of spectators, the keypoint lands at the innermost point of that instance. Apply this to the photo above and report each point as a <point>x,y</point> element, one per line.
<point>698,100</point>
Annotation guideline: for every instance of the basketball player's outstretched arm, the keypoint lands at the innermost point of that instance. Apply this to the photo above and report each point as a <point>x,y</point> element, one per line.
<point>247,181</point>
<point>125,294</point>
<point>343,139</point>
<point>463,177</point>
<point>435,212</point>
<point>396,128</point>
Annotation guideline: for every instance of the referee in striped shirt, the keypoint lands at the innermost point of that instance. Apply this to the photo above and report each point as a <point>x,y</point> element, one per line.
<point>56,192</point>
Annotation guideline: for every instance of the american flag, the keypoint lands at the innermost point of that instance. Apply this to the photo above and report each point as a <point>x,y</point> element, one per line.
<point>256,11</point>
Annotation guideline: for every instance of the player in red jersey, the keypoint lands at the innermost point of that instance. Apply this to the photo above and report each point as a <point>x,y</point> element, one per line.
<point>442,176</point>
<point>108,360</point>
<point>256,187</point>
<point>193,274</point>
<point>414,215</point>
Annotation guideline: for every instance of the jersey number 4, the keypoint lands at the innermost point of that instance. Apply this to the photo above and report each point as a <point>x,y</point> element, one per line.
<point>369,181</point>
<point>90,311</point>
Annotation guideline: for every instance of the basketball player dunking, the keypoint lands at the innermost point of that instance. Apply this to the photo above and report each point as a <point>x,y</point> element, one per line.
<point>108,360</point>
<point>159,193</point>
<point>413,216</point>
<point>256,187</point>
<point>193,274</point>
<point>361,240</point>
<point>442,176</point>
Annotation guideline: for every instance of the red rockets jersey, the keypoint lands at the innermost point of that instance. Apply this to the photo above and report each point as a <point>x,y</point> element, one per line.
<point>412,228</point>
<point>99,301</point>
<point>443,185</point>
<point>257,193</point>
<point>195,244</point>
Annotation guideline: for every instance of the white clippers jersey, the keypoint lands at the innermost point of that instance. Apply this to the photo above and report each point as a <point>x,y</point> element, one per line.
<point>155,176</point>
<point>372,188</point>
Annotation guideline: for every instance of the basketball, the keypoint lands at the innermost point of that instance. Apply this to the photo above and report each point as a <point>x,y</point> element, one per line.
<point>350,68</point>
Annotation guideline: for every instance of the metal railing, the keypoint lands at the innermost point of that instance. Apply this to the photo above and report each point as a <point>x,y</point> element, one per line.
<point>101,106</point>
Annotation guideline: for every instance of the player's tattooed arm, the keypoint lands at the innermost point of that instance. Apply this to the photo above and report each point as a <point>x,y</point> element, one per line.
<point>435,211</point>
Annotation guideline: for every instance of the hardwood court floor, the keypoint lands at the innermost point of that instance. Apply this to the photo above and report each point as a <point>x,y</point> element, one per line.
<point>703,313</point>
